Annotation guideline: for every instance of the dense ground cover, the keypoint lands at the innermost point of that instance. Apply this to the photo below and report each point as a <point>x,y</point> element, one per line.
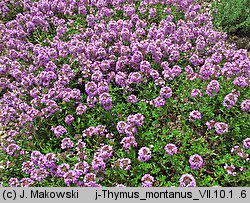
<point>121,93</point>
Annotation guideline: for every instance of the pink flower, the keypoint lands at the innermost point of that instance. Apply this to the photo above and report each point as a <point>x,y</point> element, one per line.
<point>195,115</point>
<point>59,130</point>
<point>187,180</point>
<point>144,154</point>
<point>171,149</point>
<point>230,170</point>
<point>221,128</point>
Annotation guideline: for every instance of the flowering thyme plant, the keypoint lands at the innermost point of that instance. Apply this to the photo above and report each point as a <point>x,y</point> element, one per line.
<point>120,93</point>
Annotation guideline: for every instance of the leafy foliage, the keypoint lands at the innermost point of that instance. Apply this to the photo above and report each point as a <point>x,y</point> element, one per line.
<point>232,16</point>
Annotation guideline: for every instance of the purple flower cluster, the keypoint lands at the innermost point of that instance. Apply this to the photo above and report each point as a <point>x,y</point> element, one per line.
<point>144,154</point>
<point>129,128</point>
<point>147,180</point>
<point>81,108</point>
<point>106,101</point>
<point>67,143</point>
<point>237,150</point>
<point>212,88</point>
<point>132,99</point>
<point>246,143</point>
<point>124,164</point>
<point>89,180</point>
<point>221,128</point>
<point>40,167</point>
<point>5,10</point>
<point>166,92</point>
<point>241,81</point>
<point>54,68</point>
<point>62,169</point>
<point>104,153</point>
<point>98,163</point>
<point>13,182</point>
<point>128,142</point>
<point>195,93</point>
<point>158,101</point>
<point>59,130</point>
<point>245,105</point>
<point>39,174</point>
<point>210,124</point>
<point>231,99</point>
<point>187,180</point>
<point>230,170</point>
<point>171,149</point>
<point>80,145</point>
<point>89,132</point>
<point>196,162</point>
<point>12,149</point>
<point>26,182</point>
<point>171,73</point>
<point>194,115</point>
<point>69,119</point>
<point>81,167</point>
<point>70,177</point>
